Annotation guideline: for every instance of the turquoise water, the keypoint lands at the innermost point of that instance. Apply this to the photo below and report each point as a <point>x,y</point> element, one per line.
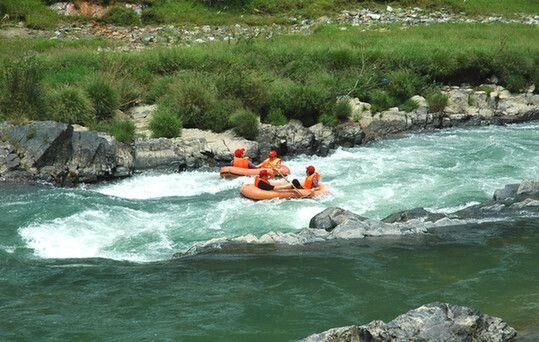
<point>95,262</point>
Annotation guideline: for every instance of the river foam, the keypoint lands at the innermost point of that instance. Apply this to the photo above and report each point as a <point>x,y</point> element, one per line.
<point>151,216</point>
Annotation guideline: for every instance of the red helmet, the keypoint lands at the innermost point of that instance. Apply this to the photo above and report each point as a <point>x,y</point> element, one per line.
<point>239,152</point>
<point>272,154</point>
<point>263,173</point>
<point>310,169</point>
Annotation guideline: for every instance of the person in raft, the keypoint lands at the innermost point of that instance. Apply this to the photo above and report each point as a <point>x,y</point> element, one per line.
<point>312,179</point>
<point>262,182</point>
<point>240,161</point>
<point>272,162</point>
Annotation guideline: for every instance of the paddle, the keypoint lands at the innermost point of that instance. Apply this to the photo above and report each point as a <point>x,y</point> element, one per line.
<point>286,179</point>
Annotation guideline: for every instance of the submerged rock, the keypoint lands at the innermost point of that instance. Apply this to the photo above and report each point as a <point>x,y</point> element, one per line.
<point>431,322</point>
<point>330,218</point>
<point>413,214</point>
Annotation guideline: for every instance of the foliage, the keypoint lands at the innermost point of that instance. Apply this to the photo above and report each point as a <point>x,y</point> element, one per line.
<point>409,106</point>
<point>158,88</point>
<point>21,94</point>
<point>403,84</point>
<point>120,15</point>
<point>36,14</point>
<point>276,117</point>
<point>72,106</point>
<point>165,124</point>
<point>437,101</point>
<point>245,124</point>
<point>122,129</point>
<point>329,120</point>
<point>380,100</point>
<point>104,98</point>
<point>343,110</point>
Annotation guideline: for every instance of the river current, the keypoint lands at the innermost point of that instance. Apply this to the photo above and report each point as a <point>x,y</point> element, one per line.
<point>94,262</point>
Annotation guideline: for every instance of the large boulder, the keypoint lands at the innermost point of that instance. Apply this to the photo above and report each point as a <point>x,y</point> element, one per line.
<point>330,218</point>
<point>431,322</point>
<point>53,151</point>
<point>292,139</point>
<point>509,191</point>
<point>324,139</point>
<point>349,135</point>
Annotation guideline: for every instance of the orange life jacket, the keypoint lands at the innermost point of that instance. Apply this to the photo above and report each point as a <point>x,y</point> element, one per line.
<point>308,184</point>
<point>267,164</point>
<point>241,162</point>
<point>259,179</point>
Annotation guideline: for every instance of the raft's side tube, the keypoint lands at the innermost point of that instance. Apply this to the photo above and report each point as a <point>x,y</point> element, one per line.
<point>231,171</point>
<point>252,192</point>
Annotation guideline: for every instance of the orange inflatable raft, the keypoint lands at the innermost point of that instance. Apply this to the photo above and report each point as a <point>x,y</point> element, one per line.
<point>231,171</point>
<point>252,192</point>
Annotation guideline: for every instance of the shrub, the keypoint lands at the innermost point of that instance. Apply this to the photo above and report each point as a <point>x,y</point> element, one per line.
<point>380,100</point>
<point>301,102</point>
<point>328,120</point>
<point>486,88</point>
<point>409,106</point>
<point>403,84</point>
<point>276,117</point>
<point>343,110</point>
<point>158,88</point>
<point>21,94</point>
<point>191,99</point>
<point>437,101</point>
<point>33,12</point>
<point>104,98</point>
<point>123,130</point>
<point>217,118</point>
<point>121,15</point>
<point>165,124</point>
<point>251,89</point>
<point>70,105</point>
<point>245,124</point>
<point>130,92</point>
<point>515,83</point>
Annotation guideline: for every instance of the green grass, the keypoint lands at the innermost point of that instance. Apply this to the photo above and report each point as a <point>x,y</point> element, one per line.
<point>299,77</point>
<point>252,12</point>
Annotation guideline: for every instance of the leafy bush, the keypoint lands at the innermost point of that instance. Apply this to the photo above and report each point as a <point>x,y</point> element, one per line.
<point>409,106</point>
<point>123,130</point>
<point>380,100</point>
<point>328,120</point>
<point>158,88</point>
<point>121,15</point>
<point>276,117</point>
<point>104,98</point>
<point>129,91</point>
<point>516,83</point>
<point>190,99</point>
<point>301,102</point>
<point>437,101</point>
<point>403,84</point>
<point>165,124</point>
<point>21,94</point>
<point>245,124</point>
<point>343,110</point>
<point>250,88</point>
<point>70,105</point>
<point>486,88</point>
<point>217,118</point>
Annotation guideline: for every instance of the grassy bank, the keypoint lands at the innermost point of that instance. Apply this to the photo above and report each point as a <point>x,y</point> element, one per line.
<point>36,14</point>
<point>290,77</point>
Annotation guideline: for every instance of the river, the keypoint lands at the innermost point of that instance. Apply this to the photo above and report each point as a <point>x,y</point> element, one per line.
<point>95,262</point>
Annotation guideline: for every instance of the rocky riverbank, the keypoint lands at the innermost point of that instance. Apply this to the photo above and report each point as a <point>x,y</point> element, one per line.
<point>465,107</point>
<point>140,37</point>
<point>66,155</point>
<point>336,224</point>
<point>430,322</point>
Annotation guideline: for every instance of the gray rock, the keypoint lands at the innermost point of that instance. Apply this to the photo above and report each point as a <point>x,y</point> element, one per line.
<point>324,138</point>
<point>333,217</point>
<point>413,214</point>
<point>53,152</point>
<point>528,187</point>
<point>349,135</point>
<point>509,191</point>
<point>290,139</point>
<point>431,322</point>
